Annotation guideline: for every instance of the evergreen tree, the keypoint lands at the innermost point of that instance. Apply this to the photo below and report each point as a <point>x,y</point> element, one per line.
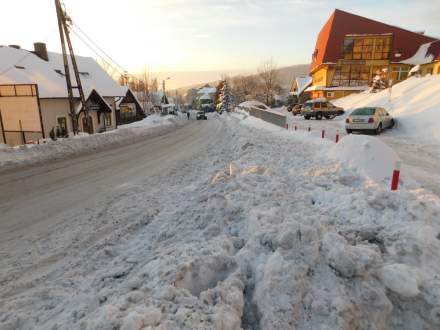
<point>226,97</point>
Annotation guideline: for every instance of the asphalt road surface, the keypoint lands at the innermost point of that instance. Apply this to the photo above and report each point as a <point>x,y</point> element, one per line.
<point>32,200</point>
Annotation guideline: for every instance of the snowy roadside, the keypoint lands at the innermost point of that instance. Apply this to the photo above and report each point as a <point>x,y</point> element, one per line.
<point>62,148</point>
<point>262,230</point>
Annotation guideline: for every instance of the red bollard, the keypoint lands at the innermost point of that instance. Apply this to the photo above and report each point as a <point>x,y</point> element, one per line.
<point>396,176</point>
<point>323,134</point>
<point>337,137</point>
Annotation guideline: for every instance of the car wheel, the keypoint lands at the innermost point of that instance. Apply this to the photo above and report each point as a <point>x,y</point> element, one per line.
<point>349,131</point>
<point>378,129</point>
<point>392,123</point>
<point>307,117</point>
<point>318,116</point>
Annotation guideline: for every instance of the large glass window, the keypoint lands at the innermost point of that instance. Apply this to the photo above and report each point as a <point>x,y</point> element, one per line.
<point>356,48</point>
<point>351,75</point>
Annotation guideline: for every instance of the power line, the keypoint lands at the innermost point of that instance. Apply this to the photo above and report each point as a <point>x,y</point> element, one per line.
<point>96,53</point>
<point>99,48</point>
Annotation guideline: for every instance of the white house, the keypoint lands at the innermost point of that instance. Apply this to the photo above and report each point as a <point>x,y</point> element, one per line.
<point>46,70</point>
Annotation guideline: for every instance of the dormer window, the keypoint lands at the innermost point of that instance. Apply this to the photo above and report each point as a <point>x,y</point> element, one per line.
<point>61,73</point>
<point>19,67</point>
<point>84,74</point>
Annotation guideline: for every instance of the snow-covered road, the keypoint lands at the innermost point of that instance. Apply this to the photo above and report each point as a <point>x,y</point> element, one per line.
<point>419,158</point>
<point>223,224</point>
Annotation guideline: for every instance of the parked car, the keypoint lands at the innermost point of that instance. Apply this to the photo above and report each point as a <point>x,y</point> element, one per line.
<point>296,110</point>
<point>201,115</point>
<point>371,119</point>
<point>319,109</point>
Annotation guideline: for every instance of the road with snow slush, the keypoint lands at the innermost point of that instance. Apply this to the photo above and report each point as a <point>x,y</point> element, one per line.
<point>221,224</point>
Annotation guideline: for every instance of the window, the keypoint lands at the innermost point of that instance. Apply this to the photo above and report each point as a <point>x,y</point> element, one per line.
<point>399,73</point>
<point>351,75</point>
<point>364,112</point>
<point>330,94</point>
<point>372,48</point>
<point>108,119</point>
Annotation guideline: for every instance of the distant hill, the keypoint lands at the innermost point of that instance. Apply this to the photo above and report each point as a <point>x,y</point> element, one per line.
<point>285,74</point>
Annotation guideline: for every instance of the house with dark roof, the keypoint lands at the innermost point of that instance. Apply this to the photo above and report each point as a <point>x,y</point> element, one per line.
<point>46,71</point>
<point>129,109</point>
<point>351,50</point>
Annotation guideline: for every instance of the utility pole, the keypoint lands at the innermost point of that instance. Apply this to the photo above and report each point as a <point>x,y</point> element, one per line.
<point>63,20</point>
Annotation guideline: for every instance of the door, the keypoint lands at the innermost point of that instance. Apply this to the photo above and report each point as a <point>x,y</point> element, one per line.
<point>62,124</point>
<point>87,125</point>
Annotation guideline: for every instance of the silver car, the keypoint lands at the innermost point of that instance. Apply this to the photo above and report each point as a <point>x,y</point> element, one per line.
<point>371,119</point>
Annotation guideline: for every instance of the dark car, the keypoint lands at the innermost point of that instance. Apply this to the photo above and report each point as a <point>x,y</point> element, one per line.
<point>319,109</point>
<point>201,115</point>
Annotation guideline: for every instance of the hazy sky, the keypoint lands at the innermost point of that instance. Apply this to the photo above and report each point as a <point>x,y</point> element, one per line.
<point>195,35</point>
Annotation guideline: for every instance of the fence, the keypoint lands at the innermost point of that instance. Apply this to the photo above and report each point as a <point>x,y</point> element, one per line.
<point>15,138</point>
<point>271,117</point>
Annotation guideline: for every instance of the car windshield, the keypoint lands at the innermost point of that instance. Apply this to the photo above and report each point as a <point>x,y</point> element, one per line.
<point>364,112</point>
<point>308,104</point>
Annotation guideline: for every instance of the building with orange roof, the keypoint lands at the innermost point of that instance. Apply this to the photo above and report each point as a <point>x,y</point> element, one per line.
<point>351,50</point>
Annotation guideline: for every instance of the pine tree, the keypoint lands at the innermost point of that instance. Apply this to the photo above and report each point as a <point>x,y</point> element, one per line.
<point>226,97</point>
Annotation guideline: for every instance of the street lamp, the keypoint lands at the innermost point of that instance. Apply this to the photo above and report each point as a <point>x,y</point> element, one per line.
<point>164,98</point>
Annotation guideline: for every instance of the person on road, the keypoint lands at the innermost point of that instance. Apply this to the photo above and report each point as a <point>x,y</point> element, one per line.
<point>188,114</point>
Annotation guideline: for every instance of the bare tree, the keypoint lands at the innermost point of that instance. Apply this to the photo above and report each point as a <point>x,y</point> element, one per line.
<point>245,87</point>
<point>269,77</point>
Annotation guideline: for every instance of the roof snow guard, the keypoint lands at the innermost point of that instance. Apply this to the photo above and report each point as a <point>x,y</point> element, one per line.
<point>340,24</point>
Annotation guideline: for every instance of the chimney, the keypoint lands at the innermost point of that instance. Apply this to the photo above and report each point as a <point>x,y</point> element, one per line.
<point>15,46</point>
<point>41,51</point>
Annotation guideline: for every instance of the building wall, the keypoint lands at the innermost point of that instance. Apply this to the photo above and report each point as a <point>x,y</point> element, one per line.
<point>330,95</point>
<point>320,77</point>
<point>51,109</point>
<point>54,108</point>
<point>20,112</point>
<point>430,68</point>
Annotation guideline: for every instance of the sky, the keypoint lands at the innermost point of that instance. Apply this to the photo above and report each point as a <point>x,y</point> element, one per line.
<point>201,35</point>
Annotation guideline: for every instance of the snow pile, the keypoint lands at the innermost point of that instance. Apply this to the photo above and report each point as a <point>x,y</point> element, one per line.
<point>415,103</point>
<point>368,154</point>
<point>84,143</point>
<point>250,104</point>
<point>260,230</point>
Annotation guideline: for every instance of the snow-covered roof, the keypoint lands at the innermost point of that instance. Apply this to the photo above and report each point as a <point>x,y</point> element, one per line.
<point>426,53</point>
<point>206,96</point>
<point>79,107</point>
<point>207,90</point>
<point>302,83</point>
<point>19,66</point>
<point>127,91</point>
